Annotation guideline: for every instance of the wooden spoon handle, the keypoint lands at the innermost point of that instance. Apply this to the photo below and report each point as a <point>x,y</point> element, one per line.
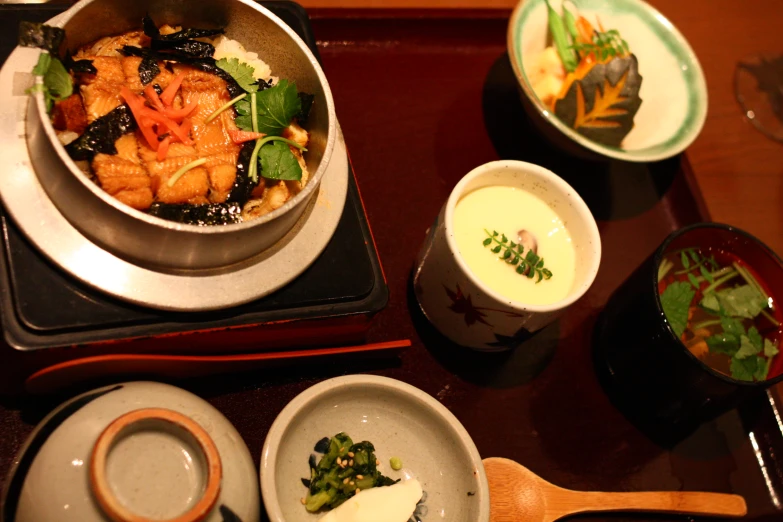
<point>692,503</point>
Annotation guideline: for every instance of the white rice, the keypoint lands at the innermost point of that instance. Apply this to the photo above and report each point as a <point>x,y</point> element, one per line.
<point>228,48</point>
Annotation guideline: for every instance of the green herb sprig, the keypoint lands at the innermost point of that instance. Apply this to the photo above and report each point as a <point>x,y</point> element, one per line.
<point>604,45</point>
<point>528,264</point>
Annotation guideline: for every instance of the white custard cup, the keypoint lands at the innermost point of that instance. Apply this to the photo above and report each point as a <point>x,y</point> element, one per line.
<point>459,304</point>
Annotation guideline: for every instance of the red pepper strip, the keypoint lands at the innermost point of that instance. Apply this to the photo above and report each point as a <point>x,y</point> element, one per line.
<point>152,96</point>
<point>136,105</point>
<point>178,114</point>
<point>164,148</point>
<point>171,125</point>
<point>168,94</point>
<point>240,136</point>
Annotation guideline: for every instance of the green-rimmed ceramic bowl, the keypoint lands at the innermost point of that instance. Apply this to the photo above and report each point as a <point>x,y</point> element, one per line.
<point>673,91</point>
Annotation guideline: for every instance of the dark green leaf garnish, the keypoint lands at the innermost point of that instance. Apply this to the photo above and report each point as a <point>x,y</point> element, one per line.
<point>336,477</point>
<point>276,107</point>
<point>531,265</point>
<point>241,72</point>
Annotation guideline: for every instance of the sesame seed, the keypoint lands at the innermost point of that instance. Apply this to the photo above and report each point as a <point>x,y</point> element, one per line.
<point>347,480</point>
<point>352,483</point>
<point>357,490</point>
<point>351,463</point>
<point>351,454</point>
<point>303,500</point>
<point>339,461</point>
<point>342,449</point>
<point>359,477</point>
<point>377,462</point>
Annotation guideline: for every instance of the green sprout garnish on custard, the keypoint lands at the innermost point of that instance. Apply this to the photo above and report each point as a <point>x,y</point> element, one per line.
<point>528,264</point>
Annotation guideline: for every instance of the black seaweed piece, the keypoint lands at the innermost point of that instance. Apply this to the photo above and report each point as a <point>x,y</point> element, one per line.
<point>151,30</point>
<point>78,66</point>
<point>148,70</point>
<point>202,215</point>
<point>263,84</point>
<point>322,446</point>
<point>204,64</point>
<point>101,134</point>
<point>243,187</point>
<point>383,480</point>
<point>40,35</point>
<point>307,104</point>
<point>306,482</point>
<point>158,89</point>
<point>189,47</point>
<point>189,33</point>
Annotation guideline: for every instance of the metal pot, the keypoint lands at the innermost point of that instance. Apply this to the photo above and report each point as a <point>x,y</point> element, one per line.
<point>152,241</point>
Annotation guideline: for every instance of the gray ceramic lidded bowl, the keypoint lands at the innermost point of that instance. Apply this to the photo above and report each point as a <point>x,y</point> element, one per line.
<point>153,241</point>
<point>401,421</point>
<point>133,452</point>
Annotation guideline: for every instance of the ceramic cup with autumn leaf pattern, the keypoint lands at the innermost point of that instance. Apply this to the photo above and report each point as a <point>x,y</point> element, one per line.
<point>471,311</point>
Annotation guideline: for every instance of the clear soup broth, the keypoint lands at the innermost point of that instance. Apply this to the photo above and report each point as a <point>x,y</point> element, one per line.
<point>722,311</point>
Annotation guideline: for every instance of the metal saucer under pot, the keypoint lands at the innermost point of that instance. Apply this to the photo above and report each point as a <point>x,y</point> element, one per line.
<point>152,241</point>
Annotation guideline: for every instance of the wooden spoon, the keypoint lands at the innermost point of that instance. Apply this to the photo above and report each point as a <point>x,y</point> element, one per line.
<point>517,494</point>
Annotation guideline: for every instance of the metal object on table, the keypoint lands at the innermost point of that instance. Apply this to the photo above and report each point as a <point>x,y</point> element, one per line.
<point>146,239</point>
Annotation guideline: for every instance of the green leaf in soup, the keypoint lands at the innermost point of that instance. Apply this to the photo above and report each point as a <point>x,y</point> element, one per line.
<point>686,263</point>
<point>770,348</point>
<point>747,348</point>
<point>693,280</point>
<point>742,301</point>
<point>732,326</point>
<point>710,303</point>
<point>755,338</point>
<point>276,107</point>
<point>675,301</point>
<point>278,162</point>
<point>723,343</point>
<point>746,369</point>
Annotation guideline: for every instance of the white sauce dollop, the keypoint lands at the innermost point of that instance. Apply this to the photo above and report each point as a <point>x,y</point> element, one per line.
<point>384,504</point>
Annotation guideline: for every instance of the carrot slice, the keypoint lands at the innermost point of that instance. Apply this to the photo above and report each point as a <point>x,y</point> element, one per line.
<point>136,105</point>
<point>240,136</point>
<point>170,124</point>
<point>178,114</point>
<point>163,150</point>
<point>168,94</point>
<point>152,96</point>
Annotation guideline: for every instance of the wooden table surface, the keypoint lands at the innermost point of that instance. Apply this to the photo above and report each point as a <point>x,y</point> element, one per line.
<point>739,171</point>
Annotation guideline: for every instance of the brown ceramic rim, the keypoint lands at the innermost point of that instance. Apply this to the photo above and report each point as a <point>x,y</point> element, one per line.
<point>100,484</point>
<point>659,252</point>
